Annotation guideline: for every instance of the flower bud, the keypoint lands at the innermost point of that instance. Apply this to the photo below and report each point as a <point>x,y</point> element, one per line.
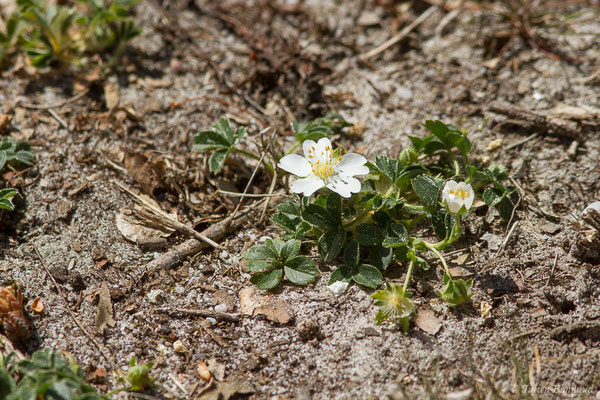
<point>408,156</point>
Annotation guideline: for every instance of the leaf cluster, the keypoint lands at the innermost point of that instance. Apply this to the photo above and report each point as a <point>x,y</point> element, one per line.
<point>277,258</point>
<point>12,153</point>
<point>223,139</point>
<point>45,376</point>
<point>66,33</point>
<point>327,126</point>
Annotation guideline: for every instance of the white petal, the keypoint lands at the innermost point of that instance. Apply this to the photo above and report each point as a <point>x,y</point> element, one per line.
<point>450,185</point>
<point>352,164</point>
<point>454,204</point>
<point>307,186</point>
<point>469,200</point>
<point>309,147</point>
<point>324,150</point>
<point>344,185</point>
<point>295,164</point>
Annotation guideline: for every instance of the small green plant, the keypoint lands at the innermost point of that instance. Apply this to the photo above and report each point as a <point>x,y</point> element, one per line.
<point>139,376</point>
<point>223,140</point>
<point>12,154</point>
<point>395,305</point>
<point>70,33</point>
<point>386,220</point>
<point>276,259</point>
<point>45,376</point>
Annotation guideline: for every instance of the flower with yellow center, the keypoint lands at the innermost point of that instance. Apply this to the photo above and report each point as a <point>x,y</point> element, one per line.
<point>458,197</point>
<point>394,302</point>
<point>320,167</point>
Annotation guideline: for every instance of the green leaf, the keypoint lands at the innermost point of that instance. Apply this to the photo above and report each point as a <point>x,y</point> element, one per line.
<point>259,258</point>
<point>334,206</point>
<point>289,207</point>
<point>284,222</point>
<point>352,253</point>
<point>224,129</point>
<point>343,273</point>
<point>505,208</point>
<point>393,242</point>
<point>276,245</point>
<point>438,128</point>
<point>300,270</point>
<point>381,257</point>
<point>331,242</point>
<point>7,385</point>
<point>3,158</point>
<point>442,222</point>
<point>369,235</point>
<point>368,276</point>
<point>492,196</point>
<point>409,173</point>
<point>210,140</point>
<point>427,190</point>
<point>455,292</point>
<point>217,160</point>
<point>398,230</point>
<point>388,167</point>
<point>267,280</point>
<point>290,249</point>
<point>319,216</point>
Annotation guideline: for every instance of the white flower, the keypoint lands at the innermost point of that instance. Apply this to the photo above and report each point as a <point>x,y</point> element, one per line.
<point>319,168</point>
<point>458,197</point>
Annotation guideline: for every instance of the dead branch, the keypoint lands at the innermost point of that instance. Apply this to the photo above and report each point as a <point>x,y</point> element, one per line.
<point>192,246</point>
<point>199,313</point>
<point>531,120</point>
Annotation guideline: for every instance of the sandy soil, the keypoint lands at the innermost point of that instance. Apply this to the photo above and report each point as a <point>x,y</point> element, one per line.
<point>262,63</point>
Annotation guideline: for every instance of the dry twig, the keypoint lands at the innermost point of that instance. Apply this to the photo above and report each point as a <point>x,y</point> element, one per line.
<point>59,289</point>
<point>395,39</point>
<point>532,120</point>
<point>192,246</point>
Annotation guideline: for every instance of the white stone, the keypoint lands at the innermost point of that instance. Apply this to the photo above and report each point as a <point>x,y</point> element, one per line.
<point>338,288</point>
<point>154,295</point>
<point>221,308</point>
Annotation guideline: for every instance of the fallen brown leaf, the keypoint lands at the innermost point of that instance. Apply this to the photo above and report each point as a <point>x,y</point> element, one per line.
<point>111,96</point>
<point>147,172</point>
<point>253,303</point>
<point>37,305</point>
<point>105,310</point>
<point>428,322</point>
<point>234,385</point>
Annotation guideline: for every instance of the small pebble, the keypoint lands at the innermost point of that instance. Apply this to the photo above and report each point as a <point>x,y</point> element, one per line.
<point>179,347</point>
<point>211,320</point>
<point>221,308</point>
<point>154,295</point>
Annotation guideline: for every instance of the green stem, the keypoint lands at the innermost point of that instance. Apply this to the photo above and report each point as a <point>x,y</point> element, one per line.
<point>414,206</point>
<point>408,273</point>
<point>292,148</point>
<point>255,157</point>
<point>357,219</point>
<point>439,255</point>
